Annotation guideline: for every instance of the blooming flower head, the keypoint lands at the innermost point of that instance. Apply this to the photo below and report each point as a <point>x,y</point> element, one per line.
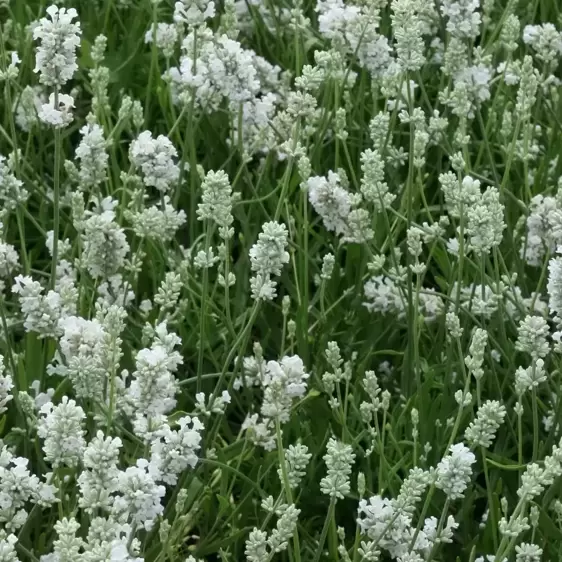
<point>155,158</point>
<point>267,257</point>
<point>61,428</point>
<point>59,38</point>
<point>193,12</point>
<point>283,381</point>
<point>57,113</point>
<point>454,471</point>
<point>141,497</point>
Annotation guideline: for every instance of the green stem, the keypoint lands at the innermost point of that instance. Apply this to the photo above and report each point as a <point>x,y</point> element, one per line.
<point>153,60</point>
<point>203,316</point>
<point>286,485</point>
<point>305,280</point>
<point>287,175</point>
<point>410,363</point>
<point>491,508</point>
<point>227,286</point>
<point>535,423</point>
<point>56,199</point>
<point>324,532</point>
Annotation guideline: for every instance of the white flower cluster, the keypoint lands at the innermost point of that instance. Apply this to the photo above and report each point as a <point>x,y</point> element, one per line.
<point>546,41</point>
<point>485,222</point>
<point>82,346</point>
<point>389,522</point>
<point>166,38</point>
<point>28,106</point>
<point>331,201</point>
<point>172,451</point>
<point>282,381</point>
<point>222,69</point>
<point>532,337</point>
<point>193,12</point>
<point>386,294</point>
<point>554,287</point>
<point>459,198</point>
<point>216,204</point>
<point>107,539</point>
<point>454,471</point>
<point>42,313</point>
<point>355,27</point>
<point>158,222</point>
<point>408,28</point>
<point>216,68</point>
<point>105,244</point>
<point>59,38</point>
<point>155,158</point>
<point>99,478</point>
<point>268,256</point>
<point>6,385</point>
<point>18,489</point>
<point>297,458</point>
<point>339,460</point>
<point>531,377</point>
<point>544,229</point>
<point>373,187</point>
<point>212,405</point>
<point>339,209</point>
<point>254,128</point>
<point>93,157</point>
<point>153,387</point>
<point>260,547</point>
<point>482,431</point>
<point>12,192</point>
<point>11,72</point>
<point>61,428</point>
<point>140,498</point>
<point>463,18</point>
<point>58,111</point>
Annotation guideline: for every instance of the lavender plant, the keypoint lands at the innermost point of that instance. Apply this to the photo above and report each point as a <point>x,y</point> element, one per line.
<point>280,281</point>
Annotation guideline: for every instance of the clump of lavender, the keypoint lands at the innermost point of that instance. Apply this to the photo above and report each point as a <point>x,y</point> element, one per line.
<point>259,260</point>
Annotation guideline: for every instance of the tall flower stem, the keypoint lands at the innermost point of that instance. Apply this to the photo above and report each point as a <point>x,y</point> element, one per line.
<point>56,198</point>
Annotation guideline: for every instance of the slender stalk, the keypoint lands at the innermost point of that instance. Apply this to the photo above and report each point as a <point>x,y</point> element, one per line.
<point>491,509</point>
<point>535,424</point>
<point>519,439</point>
<point>56,198</point>
<point>287,175</point>
<point>412,320</point>
<point>324,532</point>
<point>227,286</point>
<point>305,278</point>
<point>153,61</point>
<point>286,485</point>
<point>112,376</point>
<point>203,315</point>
